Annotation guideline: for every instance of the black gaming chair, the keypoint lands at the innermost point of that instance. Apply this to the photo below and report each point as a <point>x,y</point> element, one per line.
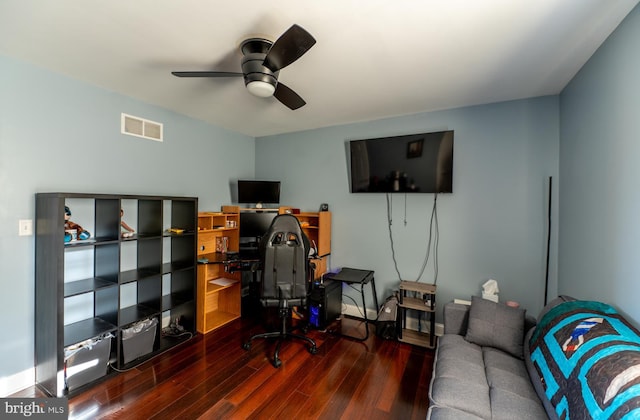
<point>284,252</point>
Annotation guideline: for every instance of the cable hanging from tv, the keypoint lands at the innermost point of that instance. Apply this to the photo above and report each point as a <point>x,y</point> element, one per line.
<point>433,238</point>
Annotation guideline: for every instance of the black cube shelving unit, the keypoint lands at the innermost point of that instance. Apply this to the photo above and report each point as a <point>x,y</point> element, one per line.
<point>84,291</point>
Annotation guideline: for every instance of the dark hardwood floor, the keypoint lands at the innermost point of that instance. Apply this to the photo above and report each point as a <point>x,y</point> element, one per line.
<point>212,377</point>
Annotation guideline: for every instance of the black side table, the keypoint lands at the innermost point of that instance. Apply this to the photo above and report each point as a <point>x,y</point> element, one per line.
<point>362,277</point>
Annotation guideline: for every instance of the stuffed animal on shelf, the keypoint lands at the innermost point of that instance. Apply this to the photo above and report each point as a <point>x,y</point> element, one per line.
<point>127,231</point>
<point>70,226</point>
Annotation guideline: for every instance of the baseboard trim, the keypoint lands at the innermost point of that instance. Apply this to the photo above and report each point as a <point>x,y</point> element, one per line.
<point>11,384</point>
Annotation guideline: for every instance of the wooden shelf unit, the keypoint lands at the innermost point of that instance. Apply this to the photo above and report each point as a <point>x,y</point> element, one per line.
<point>212,226</point>
<point>100,286</point>
<point>217,305</point>
<point>414,296</point>
<point>317,227</point>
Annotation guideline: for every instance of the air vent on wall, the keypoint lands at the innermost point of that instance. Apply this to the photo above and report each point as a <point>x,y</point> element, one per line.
<point>139,127</point>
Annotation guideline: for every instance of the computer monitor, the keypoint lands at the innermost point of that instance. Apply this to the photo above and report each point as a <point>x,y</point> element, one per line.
<point>258,192</point>
<point>255,224</point>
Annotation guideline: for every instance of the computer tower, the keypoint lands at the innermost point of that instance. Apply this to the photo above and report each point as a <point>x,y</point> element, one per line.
<point>325,303</point>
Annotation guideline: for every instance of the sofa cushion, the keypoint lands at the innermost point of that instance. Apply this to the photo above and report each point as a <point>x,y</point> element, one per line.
<point>498,359</point>
<point>447,413</point>
<point>459,381</point>
<point>506,405</point>
<point>457,358</point>
<point>468,396</point>
<point>496,325</point>
<point>451,346</point>
<point>506,372</point>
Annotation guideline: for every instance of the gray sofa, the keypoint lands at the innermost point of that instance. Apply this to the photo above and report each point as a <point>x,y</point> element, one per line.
<point>472,381</point>
<point>578,359</point>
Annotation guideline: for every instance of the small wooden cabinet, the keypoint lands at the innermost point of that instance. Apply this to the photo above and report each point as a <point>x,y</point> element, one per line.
<point>218,291</point>
<point>420,298</point>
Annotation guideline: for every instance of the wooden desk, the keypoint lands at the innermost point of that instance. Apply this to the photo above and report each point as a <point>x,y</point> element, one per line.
<point>218,293</point>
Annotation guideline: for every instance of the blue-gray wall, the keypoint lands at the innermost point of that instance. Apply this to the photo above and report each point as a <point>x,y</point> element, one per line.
<point>492,226</point>
<point>600,175</point>
<point>63,135</point>
<point>58,134</point>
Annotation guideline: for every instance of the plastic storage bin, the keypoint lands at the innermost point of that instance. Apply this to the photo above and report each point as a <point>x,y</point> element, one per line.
<point>138,339</point>
<point>87,361</point>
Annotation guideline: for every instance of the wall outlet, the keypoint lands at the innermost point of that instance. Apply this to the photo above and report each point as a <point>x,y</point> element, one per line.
<point>25,227</point>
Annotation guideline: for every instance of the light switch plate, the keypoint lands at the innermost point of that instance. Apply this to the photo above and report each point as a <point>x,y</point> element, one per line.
<point>25,227</point>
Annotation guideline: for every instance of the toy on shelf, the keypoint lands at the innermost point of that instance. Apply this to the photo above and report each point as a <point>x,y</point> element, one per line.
<point>73,231</point>
<point>127,231</point>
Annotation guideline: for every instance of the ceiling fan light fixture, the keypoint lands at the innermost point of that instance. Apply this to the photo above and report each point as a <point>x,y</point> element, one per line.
<point>261,63</point>
<point>261,89</point>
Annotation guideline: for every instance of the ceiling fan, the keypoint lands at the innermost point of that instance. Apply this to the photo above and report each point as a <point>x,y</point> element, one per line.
<point>262,61</point>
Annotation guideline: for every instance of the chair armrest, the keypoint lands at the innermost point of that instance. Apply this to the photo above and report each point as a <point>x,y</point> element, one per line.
<point>456,318</point>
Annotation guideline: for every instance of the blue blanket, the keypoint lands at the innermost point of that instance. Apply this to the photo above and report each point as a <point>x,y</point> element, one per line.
<point>588,358</point>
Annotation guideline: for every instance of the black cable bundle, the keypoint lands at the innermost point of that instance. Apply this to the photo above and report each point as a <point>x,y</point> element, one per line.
<point>432,239</point>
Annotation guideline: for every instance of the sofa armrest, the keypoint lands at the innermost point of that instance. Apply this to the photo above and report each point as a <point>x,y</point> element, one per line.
<point>456,318</point>
<point>529,322</point>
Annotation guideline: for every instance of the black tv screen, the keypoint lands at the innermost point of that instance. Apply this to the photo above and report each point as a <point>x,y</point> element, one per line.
<point>258,192</point>
<point>416,163</point>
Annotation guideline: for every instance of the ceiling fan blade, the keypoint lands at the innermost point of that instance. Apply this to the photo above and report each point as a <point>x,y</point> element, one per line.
<point>205,74</point>
<point>288,48</point>
<point>288,97</point>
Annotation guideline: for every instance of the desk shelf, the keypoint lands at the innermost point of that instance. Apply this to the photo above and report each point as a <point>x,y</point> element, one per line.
<point>217,288</point>
<point>317,227</point>
<point>219,318</point>
<point>217,304</point>
<point>420,298</point>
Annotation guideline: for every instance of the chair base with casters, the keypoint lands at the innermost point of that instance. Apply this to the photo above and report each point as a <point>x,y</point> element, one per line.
<point>284,313</point>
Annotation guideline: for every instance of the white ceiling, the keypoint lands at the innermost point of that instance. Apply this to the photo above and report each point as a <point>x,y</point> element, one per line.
<point>372,59</point>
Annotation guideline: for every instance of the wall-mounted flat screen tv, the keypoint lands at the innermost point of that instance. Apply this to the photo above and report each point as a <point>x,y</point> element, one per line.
<point>258,192</point>
<point>416,163</point>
